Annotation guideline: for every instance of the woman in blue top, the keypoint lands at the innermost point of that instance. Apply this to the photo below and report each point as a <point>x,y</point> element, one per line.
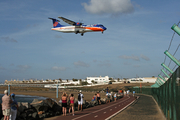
<point>14,107</point>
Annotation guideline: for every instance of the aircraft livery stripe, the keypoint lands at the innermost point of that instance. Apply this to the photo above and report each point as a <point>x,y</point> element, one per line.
<point>94,28</point>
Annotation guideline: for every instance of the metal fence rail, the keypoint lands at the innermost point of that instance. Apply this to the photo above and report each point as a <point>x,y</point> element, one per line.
<point>167,95</point>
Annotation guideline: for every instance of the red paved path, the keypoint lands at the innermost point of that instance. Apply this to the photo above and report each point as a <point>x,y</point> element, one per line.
<point>100,112</point>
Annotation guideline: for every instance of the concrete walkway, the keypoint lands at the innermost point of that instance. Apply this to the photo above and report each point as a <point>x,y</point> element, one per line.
<point>145,108</point>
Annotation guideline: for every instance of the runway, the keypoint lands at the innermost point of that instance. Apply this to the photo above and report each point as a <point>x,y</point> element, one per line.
<point>101,112</point>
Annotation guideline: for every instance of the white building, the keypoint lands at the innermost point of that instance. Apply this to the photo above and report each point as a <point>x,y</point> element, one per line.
<point>98,79</point>
<point>143,80</point>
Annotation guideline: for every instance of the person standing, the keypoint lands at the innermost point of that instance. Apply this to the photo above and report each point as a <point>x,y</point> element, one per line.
<point>64,103</point>
<point>108,95</point>
<point>80,100</point>
<point>94,97</point>
<point>115,97</point>
<point>14,107</point>
<point>98,98</point>
<point>112,96</point>
<point>6,105</point>
<point>128,92</point>
<point>71,104</point>
<point>124,92</point>
<point>133,93</point>
<point>107,90</point>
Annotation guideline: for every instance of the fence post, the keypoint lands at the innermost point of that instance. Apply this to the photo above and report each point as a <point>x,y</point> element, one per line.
<point>9,89</point>
<point>162,78</point>
<point>160,81</point>
<point>167,68</point>
<point>176,29</point>
<point>57,91</point>
<point>172,57</point>
<point>165,73</point>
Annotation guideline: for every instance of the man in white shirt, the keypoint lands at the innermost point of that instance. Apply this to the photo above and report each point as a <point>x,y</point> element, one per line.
<point>80,100</point>
<point>108,95</point>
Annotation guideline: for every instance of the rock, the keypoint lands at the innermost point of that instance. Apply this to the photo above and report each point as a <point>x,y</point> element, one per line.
<point>103,100</point>
<point>41,106</point>
<point>94,103</point>
<point>57,109</point>
<point>21,107</point>
<point>26,104</point>
<point>50,102</point>
<point>35,100</point>
<point>87,104</point>
<point>35,115</point>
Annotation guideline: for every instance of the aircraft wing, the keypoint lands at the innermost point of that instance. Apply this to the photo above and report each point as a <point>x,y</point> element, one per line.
<point>70,21</point>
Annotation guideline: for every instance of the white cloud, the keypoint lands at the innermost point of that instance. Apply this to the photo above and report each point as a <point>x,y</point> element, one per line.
<point>59,68</point>
<point>105,63</point>
<point>129,57</point>
<point>145,57</point>
<point>7,39</point>
<point>23,67</point>
<point>114,7</point>
<point>81,64</point>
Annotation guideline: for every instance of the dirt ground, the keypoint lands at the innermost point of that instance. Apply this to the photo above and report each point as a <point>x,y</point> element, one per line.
<point>87,91</point>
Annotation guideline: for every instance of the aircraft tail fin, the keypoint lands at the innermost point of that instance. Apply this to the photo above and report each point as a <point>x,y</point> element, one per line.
<point>56,22</point>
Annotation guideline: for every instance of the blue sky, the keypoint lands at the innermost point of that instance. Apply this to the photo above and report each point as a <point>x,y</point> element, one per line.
<point>138,32</point>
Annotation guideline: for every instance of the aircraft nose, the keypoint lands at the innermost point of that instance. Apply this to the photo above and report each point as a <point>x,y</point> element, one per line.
<point>104,28</point>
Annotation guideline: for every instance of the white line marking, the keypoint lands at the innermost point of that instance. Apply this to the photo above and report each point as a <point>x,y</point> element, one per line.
<point>119,110</point>
<point>100,109</point>
<point>96,116</point>
<point>104,112</point>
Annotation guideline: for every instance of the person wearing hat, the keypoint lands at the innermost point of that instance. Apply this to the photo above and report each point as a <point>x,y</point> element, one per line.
<point>80,100</point>
<point>14,107</point>
<point>6,105</point>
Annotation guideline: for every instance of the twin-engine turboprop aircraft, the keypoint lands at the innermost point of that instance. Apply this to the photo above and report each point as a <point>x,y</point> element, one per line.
<point>75,27</point>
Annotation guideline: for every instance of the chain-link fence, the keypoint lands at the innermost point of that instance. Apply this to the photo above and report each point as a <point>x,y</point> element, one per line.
<point>167,95</point>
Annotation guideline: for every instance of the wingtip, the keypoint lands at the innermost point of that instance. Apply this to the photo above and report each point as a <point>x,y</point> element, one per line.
<point>50,18</point>
<point>53,19</point>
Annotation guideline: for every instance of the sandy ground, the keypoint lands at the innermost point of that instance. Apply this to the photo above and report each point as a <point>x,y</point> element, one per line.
<point>51,93</point>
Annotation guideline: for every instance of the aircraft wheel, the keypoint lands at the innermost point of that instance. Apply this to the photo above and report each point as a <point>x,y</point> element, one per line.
<point>77,32</point>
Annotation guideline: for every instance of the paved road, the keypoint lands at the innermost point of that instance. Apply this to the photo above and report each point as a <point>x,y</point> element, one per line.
<point>100,112</point>
<point>145,108</point>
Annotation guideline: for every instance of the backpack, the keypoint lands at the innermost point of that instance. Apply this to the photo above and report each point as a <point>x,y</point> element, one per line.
<point>108,95</point>
<point>79,97</point>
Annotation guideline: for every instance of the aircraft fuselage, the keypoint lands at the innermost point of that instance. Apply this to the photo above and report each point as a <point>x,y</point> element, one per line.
<point>78,29</point>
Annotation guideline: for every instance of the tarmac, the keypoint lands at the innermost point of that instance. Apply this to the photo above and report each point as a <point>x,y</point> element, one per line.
<point>100,112</point>
<point>145,108</point>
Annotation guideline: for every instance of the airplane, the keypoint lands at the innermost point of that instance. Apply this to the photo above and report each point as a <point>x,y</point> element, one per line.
<point>76,27</point>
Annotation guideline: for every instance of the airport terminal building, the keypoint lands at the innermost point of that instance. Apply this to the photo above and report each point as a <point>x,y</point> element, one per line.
<point>98,79</point>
